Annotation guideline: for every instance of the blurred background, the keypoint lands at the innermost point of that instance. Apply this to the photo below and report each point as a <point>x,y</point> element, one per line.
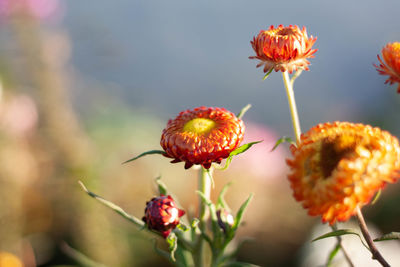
<point>86,85</point>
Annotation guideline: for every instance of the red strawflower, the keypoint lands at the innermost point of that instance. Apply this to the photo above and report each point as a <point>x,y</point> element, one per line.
<point>162,215</point>
<point>283,48</point>
<point>391,56</point>
<point>202,136</point>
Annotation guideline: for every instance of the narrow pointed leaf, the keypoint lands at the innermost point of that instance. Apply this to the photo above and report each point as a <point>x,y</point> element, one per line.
<point>221,200</point>
<point>239,215</point>
<point>238,151</point>
<point>340,233</point>
<point>162,188</point>
<point>114,207</point>
<point>160,152</point>
<point>281,140</point>
<point>159,251</point>
<point>267,74</point>
<point>332,255</point>
<point>172,241</point>
<point>390,236</point>
<point>243,111</point>
<point>336,233</point>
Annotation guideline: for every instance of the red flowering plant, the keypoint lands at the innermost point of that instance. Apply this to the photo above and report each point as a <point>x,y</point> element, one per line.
<point>336,168</point>
<point>202,136</point>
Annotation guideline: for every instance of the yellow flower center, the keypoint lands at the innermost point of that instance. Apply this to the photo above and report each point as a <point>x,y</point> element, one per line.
<point>334,150</point>
<point>199,126</point>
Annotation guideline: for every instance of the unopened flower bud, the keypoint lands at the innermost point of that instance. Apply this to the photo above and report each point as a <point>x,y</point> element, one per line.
<point>162,215</point>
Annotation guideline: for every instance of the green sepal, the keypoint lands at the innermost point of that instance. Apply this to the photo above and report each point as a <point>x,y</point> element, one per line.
<point>268,73</point>
<point>238,151</point>
<point>221,200</point>
<point>283,139</point>
<point>376,197</point>
<point>162,188</point>
<point>172,241</point>
<point>389,236</point>
<point>332,254</point>
<point>150,152</point>
<point>243,111</point>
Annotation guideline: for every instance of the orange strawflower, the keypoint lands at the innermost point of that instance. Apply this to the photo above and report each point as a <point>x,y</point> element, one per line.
<point>202,136</point>
<point>283,48</point>
<point>391,56</point>
<point>339,166</point>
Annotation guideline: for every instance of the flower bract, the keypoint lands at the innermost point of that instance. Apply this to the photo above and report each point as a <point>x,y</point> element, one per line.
<point>162,215</point>
<point>339,166</point>
<point>390,65</point>
<point>202,136</point>
<point>283,48</point>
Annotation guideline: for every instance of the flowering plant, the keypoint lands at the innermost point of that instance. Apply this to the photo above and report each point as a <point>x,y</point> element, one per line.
<point>335,169</point>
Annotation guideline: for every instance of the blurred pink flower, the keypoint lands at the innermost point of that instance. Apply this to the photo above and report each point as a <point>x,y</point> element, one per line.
<point>259,161</point>
<point>18,115</point>
<point>40,9</point>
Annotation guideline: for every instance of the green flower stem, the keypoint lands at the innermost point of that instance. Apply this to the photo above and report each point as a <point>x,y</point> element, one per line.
<point>205,188</point>
<point>292,105</point>
<point>376,255</point>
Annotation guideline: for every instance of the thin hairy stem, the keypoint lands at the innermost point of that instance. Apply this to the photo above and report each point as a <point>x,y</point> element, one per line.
<point>376,255</point>
<point>292,105</point>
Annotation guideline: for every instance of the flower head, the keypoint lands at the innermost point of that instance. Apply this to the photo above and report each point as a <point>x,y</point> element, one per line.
<point>391,56</point>
<point>202,136</point>
<point>339,166</point>
<point>162,215</point>
<point>283,48</point>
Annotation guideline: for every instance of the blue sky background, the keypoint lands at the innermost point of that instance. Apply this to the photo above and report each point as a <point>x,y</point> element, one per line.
<point>162,57</point>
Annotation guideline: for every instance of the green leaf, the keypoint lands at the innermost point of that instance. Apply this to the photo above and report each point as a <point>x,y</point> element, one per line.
<point>161,152</point>
<point>238,151</point>
<point>340,233</point>
<point>336,233</point>
<point>162,188</point>
<point>333,253</point>
<point>390,236</point>
<point>376,197</point>
<point>221,200</point>
<point>243,111</point>
<point>114,207</point>
<point>239,215</point>
<point>281,140</point>
<point>267,74</point>
<point>172,241</point>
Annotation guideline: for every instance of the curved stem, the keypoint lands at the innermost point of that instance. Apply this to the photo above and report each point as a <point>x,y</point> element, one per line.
<point>205,188</point>
<point>376,255</point>
<point>346,255</point>
<point>292,105</point>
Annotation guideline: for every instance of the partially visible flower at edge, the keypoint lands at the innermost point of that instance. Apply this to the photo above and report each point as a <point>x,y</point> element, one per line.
<point>202,136</point>
<point>391,56</point>
<point>339,166</point>
<point>162,215</point>
<point>283,48</point>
